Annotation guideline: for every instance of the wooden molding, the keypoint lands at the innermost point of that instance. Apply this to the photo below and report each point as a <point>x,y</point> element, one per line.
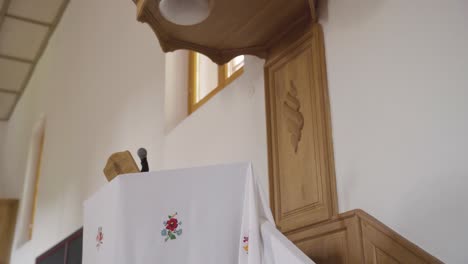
<point>192,81</point>
<point>302,177</point>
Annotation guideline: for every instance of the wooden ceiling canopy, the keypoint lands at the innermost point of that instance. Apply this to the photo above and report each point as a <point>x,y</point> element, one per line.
<point>233,28</point>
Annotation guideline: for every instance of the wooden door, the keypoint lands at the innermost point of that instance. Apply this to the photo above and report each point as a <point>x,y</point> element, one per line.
<point>8,211</point>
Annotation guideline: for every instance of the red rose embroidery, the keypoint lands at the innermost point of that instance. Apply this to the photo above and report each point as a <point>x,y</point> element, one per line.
<point>99,238</point>
<point>171,228</point>
<point>172,224</point>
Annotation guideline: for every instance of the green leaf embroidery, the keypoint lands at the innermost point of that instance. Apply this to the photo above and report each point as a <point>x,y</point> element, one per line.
<point>172,236</point>
<point>169,216</point>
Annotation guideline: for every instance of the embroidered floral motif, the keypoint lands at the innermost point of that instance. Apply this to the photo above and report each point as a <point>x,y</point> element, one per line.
<point>99,238</point>
<point>171,228</point>
<point>246,244</point>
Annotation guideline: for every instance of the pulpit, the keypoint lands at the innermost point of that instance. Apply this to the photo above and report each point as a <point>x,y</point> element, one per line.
<point>215,214</point>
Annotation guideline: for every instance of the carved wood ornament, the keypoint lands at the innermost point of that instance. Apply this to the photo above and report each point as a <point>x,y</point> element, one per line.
<point>295,119</point>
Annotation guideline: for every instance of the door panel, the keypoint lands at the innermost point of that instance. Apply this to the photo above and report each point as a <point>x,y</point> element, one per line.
<point>300,149</point>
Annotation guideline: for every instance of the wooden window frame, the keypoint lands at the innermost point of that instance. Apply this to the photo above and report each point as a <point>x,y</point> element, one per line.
<point>223,81</point>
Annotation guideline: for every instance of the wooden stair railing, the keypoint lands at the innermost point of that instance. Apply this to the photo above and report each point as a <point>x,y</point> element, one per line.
<point>356,237</point>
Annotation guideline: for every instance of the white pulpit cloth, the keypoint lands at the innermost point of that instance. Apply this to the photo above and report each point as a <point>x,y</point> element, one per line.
<point>206,215</point>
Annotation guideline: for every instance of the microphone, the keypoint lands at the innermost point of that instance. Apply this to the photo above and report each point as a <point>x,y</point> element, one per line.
<point>142,153</point>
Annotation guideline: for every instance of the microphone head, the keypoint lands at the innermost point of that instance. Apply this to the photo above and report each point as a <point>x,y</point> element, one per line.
<point>142,153</point>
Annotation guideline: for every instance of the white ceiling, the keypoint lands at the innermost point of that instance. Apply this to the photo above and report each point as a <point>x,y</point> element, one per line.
<point>25,29</point>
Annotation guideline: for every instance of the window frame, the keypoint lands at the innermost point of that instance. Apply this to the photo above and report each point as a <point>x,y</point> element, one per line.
<point>64,244</point>
<point>223,81</point>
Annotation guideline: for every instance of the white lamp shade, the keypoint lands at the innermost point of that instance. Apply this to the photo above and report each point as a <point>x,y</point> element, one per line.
<point>185,12</point>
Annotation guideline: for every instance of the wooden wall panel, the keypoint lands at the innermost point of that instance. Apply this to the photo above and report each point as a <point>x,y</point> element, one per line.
<point>334,242</point>
<point>302,176</point>
<point>355,237</point>
<point>8,211</point>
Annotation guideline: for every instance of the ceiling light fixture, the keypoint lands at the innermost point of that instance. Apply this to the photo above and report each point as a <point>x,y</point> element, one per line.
<point>185,12</point>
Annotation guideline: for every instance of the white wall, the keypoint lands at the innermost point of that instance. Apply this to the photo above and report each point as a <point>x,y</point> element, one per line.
<point>207,75</point>
<point>100,84</point>
<point>398,80</point>
<point>230,127</point>
<point>176,89</point>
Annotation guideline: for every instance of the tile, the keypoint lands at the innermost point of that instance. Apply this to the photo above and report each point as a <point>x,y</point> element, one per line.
<point>12,74</point>
<point>40,10</point>
<point>21,39</point>
<point>7,101</point>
